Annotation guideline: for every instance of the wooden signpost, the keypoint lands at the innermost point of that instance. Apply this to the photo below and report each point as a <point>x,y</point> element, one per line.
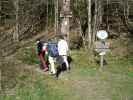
<point>101,47</point>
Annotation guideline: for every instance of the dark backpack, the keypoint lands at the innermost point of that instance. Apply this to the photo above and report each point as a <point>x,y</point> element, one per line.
<point>53,50</point>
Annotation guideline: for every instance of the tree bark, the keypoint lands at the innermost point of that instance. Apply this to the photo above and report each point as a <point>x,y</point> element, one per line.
<point>56,16</point>
<point>16,33</point>
<point>47,17</point>
<point>95,22</point>
<point>0,13</point>
<point>89,24</point>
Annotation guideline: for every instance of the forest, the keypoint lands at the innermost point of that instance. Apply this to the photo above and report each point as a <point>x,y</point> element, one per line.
<point>22,22</point>
<point>25,19</point>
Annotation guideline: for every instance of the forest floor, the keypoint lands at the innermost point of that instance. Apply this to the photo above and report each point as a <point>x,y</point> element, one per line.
<point>26,81</point>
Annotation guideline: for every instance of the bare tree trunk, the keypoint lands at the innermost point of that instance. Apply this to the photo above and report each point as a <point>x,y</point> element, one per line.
<point>51,13</point>
<point>89,24</point>
<point>125,3</point>
<point>0,11</point>
<point>95,22</point>
<point>47,17</point>
<point>16,33</point>
<point>107,24</point>
<point>100,12</point>
<point>128,7</point>
<point>56,16</point>
<point>81,33</point>
<point>65,14</point>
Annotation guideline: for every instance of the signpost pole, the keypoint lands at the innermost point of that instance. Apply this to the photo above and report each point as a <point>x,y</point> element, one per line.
<point>101,61</point>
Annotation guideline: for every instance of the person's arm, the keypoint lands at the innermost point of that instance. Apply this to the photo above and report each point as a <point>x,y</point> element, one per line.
<point>67,46</point>
<point>46,50</point>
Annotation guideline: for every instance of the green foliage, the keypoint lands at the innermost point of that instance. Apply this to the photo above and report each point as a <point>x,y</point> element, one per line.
<point>80,12</point>
<point>29,56</point>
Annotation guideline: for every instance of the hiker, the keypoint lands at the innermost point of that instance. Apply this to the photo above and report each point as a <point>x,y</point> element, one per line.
<point>41,55</point>
<point>45,56</point>
<point>62,66</point>
<point>63,50</point>
<point>62,59</point>
<point>53,53</point>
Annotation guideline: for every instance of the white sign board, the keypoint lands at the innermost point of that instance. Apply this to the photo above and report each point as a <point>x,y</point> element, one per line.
<point>101,47</point>
<point>102,34</point>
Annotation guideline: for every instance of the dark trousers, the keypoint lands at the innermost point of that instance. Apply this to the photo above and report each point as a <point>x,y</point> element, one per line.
<point>42,61</point>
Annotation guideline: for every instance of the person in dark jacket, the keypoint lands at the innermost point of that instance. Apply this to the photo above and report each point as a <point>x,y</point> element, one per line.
<point>41,55</point>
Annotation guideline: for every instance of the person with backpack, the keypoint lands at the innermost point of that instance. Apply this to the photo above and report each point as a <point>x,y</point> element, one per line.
<point>41,55</point>
<point>53,53</point>
<point>63,50</point>
<point>63,59</point>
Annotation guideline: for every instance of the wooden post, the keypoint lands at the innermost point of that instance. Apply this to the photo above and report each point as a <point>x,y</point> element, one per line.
<point>101,61</point>
<point>65,15</point>
<point>101,48</point>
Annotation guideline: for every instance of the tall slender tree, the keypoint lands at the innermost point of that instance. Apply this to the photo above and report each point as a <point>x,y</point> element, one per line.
<point>0,11</point>
<point>47,16</point>
<point>89,24</point>
<point>56,16</point>
<point>16,33</point>
<point>95,22</point>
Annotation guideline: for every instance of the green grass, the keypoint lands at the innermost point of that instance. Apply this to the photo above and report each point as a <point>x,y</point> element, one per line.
<point>28,55</point>
<point>84,82</point>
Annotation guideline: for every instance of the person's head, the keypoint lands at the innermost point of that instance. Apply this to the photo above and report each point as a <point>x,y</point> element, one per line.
<point>38,40</point>
<point>45,44</point>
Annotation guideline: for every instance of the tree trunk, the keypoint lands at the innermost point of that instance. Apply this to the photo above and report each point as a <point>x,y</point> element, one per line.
<point>100,12</point>
<point>65,15</point>
<point>81,33</point>
<point>56,16</point>
<point>107,23</point>
<point>125,3</point>
<point>95,22</point>
<point>16,33</point>
<point>0,13</point>
<point>47,26</point>
<point>89,24</point>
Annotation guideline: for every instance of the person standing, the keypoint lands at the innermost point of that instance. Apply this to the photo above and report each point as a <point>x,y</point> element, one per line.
<point>53,54</point>
<point>63,50</point>
<point>41,55</point>
<point>45,56</point>
<point>52,65</point>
